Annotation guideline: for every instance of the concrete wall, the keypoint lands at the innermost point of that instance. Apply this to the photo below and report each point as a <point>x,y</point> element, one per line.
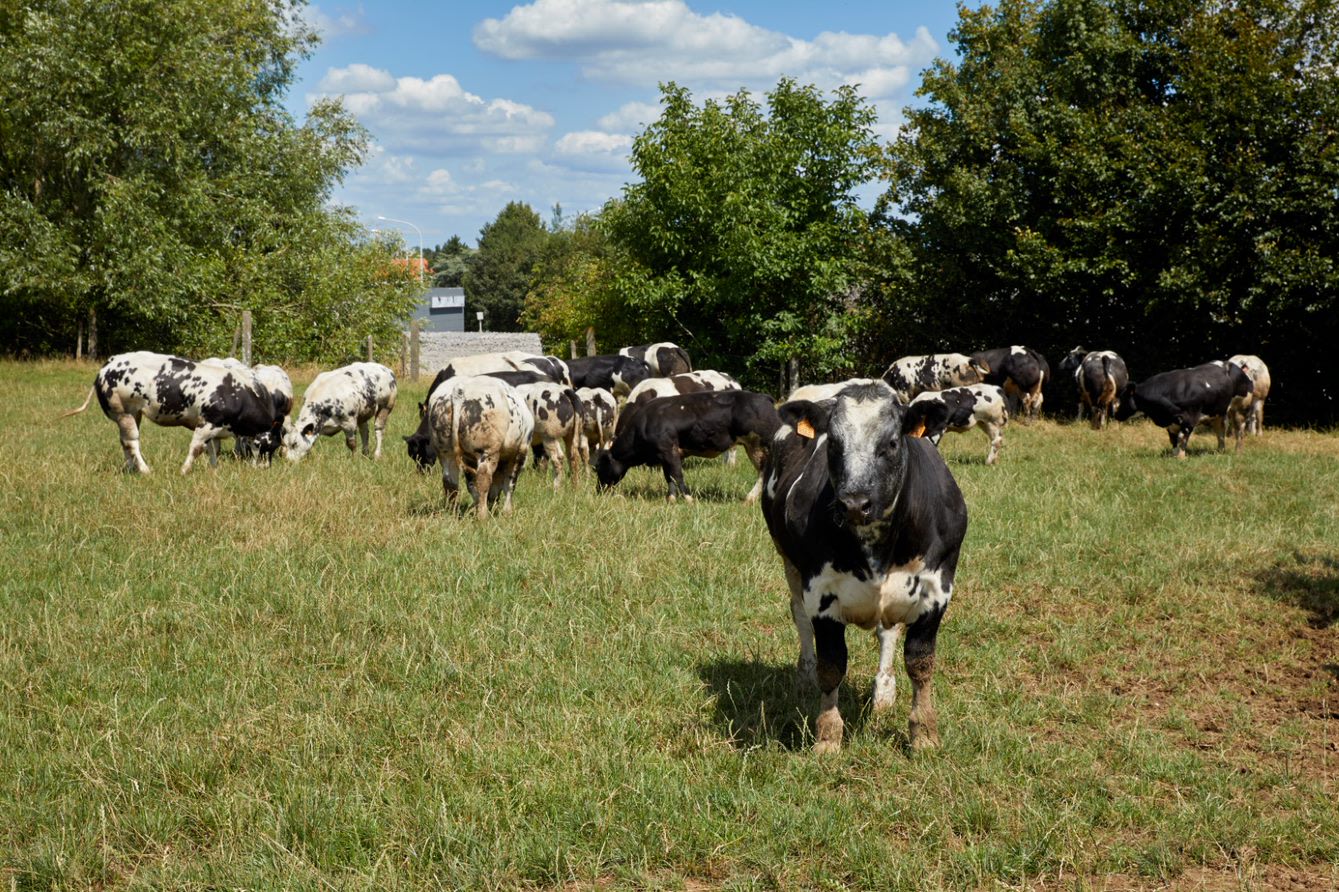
<point>437,348</point>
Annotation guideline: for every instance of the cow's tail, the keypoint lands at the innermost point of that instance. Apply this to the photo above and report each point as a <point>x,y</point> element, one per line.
<point>1108,381</point>
<point>87,400</point>
<point>457,450</point>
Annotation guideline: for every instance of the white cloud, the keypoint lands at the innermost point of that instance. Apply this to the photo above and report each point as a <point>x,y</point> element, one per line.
<point>645,43</point>
<point>631,116</point>
<point>589,142</point>
<point>435,115</point>
<point>337,24</point>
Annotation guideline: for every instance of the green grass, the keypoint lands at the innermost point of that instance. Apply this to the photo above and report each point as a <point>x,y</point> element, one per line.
<point>311,676</point>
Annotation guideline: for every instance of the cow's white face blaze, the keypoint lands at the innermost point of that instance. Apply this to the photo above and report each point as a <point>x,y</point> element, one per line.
<point>865,454</point>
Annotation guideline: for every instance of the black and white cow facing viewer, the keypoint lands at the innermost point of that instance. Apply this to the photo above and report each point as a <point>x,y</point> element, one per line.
<point>868,522</point>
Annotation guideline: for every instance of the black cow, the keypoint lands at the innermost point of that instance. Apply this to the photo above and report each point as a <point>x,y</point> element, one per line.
<point>215,401</point>
<point>664,358</point>
<point>1182,398</point>
<point>1100,376</point>
<point>705,424</point>
<point>419,443</point>
<point>868,522</point>
<point>617,374</point>
<point>1022,372</point>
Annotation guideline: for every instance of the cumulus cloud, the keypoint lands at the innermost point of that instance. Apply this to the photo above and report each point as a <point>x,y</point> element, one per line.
<point>632,116</point>
<point>643,43</point>
<point>437,114</point>
<point>337,23</point>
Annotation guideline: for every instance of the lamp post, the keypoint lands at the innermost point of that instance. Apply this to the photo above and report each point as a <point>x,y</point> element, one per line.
<point>420,242</point>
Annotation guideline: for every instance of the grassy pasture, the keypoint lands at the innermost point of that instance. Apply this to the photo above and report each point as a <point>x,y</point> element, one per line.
<point>312,677</point>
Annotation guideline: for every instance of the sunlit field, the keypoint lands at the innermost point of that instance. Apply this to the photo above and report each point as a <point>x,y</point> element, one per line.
<point>313,676</point>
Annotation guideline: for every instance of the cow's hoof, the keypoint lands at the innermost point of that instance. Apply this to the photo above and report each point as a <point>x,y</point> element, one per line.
<point>885,695</point>
<point>688,500</point>
<point>825,747</point>
<point>923,739</point>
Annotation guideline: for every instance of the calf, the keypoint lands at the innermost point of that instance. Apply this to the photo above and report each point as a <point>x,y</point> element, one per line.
<point>481,429</point>
<point>558,427</point>
<point>1100,376</point>
<point>982,405</point>
<point>599,411</point>
<point>913,375</point>
<point>1258,372</point>
<point>663,358</point>
<point>214,400</point>
<point>1182,398</point>
<point>705,424</point>
<point>617,374</point>
<point>868,522</point>
<point>344,399</point>
<point>1021,371</point>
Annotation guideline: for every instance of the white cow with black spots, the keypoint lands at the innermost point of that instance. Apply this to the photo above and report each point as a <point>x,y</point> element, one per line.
<point>979,405</point>
<point>344,400</point>
<point>481,430</point>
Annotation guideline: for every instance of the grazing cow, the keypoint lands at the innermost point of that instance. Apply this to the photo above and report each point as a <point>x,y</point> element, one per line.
<point>1021,371</point>
<point>868,522</point>
<point>675,385</point>
<point>664,358</point>
<point>481,430</point>
<point>344,399</point>
<point>617,374</point>
<point>815,392</point>
<point>213,400</point>
<point>419,443</point>
<point>662,431</point>
<point>599,411</point>
<point>913,375</point>
<point>1100,376</point>
<point>557,427</point>
<point>277,382</point>
<point>1182,398</point>
<point>981,405</point>
<point>1258,372</point>
<point>551,367</point>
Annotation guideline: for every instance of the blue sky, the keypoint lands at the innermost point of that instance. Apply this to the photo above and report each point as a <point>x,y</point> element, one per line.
<point>474,104</point>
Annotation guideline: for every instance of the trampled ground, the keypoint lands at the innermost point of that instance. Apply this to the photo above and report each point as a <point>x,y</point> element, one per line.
<point>311,676</point>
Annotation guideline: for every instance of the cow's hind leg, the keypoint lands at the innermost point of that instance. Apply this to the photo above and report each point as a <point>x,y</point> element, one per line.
<point>129,428</point>
<point>483,483</point>
<point>362,435</point>
<point>830,644</point>
<point>553,451</point>
<point>996,435</point>
<point>450,483</point>
<point>920,659</point>
<point>885,682</point>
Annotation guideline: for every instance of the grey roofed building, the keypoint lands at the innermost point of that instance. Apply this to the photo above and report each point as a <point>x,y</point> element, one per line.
<point>441,309</point>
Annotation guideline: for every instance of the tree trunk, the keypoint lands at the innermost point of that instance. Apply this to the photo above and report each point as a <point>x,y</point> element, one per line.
<point>590,340</point>
<point>246,337</point>
<point>92,333</point>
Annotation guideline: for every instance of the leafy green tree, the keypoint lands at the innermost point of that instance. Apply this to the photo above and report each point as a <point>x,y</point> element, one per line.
<point>150,175</point>
<point>1158,177</point>
<point>497,276</point>
<point>571,289</point>
<point>742,241</point>
<point>449,262</point>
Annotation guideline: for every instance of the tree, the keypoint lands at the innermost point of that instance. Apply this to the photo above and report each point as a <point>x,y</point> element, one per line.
<point>498,275</point>
<point>449,262</point>
<point>1157,177</point>
<point>150,175</point>
<point>742,241</point>
<point>571,289</point>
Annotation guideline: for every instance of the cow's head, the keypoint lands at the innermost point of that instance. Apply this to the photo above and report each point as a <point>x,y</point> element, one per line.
<point>299,441</point>
<point>608,470</point>
<point>974,373</point>
<point>868,436</point>
<point>1073,361</point>
<point>1126,407</point>
<point>628,373</point>
<point>420,450</point>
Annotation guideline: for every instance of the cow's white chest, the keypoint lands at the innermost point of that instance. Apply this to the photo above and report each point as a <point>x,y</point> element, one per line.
<point>899,595</point>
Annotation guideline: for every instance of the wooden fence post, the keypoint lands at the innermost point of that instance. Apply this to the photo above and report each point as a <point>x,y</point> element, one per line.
<point>79,342</point>
<point>246,337</point>
<point>413,350</point>
<point>590,340</point>
<point>369,349</point>
<point>575,354</point>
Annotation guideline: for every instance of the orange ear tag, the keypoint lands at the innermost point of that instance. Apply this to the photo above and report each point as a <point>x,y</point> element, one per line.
<point>920,429</point>
<point>805,429</point>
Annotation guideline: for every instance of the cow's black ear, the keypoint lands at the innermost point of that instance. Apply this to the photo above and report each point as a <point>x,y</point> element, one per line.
<point>807,418</point>
<point>925,418</point>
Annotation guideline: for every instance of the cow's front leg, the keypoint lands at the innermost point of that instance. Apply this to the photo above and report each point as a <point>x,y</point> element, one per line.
<point>350,437</point>
<point>200,443</point>
<point>805,667</point>
<point>1220,429</point>
<point>830,644</point>
<point>671,462</point>
<point>920,659</point>
<point>379,428</point>
<point>885,682</point>
<point>362,435</point>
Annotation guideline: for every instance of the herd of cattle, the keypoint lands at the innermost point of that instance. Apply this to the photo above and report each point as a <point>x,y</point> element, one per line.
<point>865,514</point>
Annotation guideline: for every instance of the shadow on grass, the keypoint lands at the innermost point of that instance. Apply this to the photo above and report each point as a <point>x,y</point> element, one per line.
<point>1308,581</point>
<point>657,492</point>
<point>759,704</point>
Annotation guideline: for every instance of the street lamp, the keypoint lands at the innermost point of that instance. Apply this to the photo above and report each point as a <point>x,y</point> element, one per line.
<point>420,242</point>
